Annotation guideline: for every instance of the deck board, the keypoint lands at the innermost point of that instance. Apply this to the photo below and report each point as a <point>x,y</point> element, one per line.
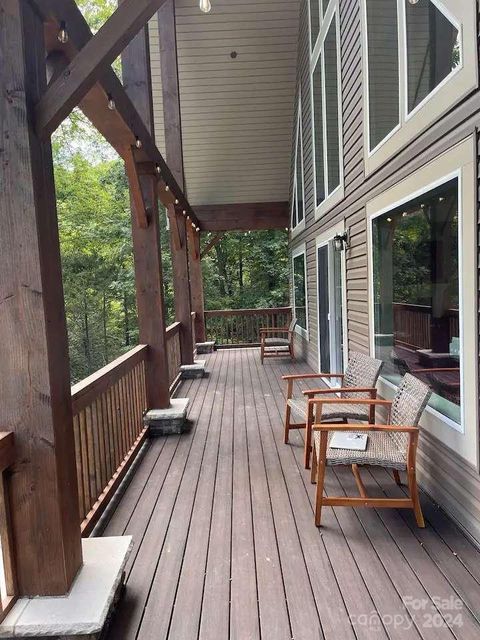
<point>225,544</point>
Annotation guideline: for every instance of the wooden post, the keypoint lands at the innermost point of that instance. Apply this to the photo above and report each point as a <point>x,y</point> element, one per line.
<point>174,155</point>
<point>181,285</point>
<point>146,240</point>
<point>35,395</point>
<point>196,285</point>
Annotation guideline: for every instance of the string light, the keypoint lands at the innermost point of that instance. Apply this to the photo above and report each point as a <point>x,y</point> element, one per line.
<point>167,188</point>
<point>184,212</point>
<point>111,103</point>
<point>176,200</point>
<point>188,217</point>
<point>197,229</point>
<point>138,143</point>
<point>205,6</point>
<point>157,169</point>
<point>62,35</point>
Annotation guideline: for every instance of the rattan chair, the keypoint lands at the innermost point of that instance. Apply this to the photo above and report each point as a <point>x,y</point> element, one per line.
<point>275,346</point>
<point>392,445</point>
<point>358,381</point>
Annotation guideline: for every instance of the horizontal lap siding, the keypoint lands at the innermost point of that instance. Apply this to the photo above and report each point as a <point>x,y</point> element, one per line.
<point>452,482</point>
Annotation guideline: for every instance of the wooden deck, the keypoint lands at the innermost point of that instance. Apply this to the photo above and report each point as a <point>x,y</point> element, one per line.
<point>225,544</point>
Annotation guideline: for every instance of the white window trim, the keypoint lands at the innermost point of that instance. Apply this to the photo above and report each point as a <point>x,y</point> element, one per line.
<point>338,193</point>
<point>299,226</point>
<point>321,240</point>
<point>459,82</point>
<point>298,251</point>
<point>459,161</point>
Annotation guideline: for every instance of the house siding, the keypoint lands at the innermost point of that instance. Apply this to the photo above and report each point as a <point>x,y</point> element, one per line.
<point>452,482</point>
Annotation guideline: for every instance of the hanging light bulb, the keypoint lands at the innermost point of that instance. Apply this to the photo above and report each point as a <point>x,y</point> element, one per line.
<point>111,103</point>
<point>63,33</point>
<point>138,143</point>
<point>413,1</point>
<point>176,200</point>
<point>184,213</point>
<point>197,229</point>
<point>157,169</point>
<point>205,6</point>
<point>167,188</point>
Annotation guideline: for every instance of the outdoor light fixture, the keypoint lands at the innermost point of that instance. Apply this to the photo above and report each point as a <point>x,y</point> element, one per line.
<point>63,33</point>
<point>205,6</point>
<point>340,241</point>
<point>111,103</point>
<point>413,1</point>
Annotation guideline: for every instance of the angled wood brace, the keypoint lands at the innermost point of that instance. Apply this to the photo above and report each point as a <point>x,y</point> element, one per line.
<point>138,197</point>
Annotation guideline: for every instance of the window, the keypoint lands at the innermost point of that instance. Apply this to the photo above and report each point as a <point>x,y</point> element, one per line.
<point>325,89</point>
<point>423,298</point>
<point>298,207</point>
<point>317,8</point>
<point>414,51</point>
<point>300,290</point>
<point>416,294</point>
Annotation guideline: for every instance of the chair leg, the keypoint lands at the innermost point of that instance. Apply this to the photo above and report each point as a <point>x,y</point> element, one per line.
<point>308,438</point>
<point>396,477</point>
<point>313,471</point>
<point>321,464</point>
<point>287,424</point>
<point>261,353</point>
<point>417,509</point>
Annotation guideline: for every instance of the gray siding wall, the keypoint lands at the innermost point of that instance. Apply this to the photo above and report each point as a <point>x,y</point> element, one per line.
<point>451,481</point>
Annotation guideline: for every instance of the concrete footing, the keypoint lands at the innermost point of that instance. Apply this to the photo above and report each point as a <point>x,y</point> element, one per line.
<point>205,347</point>
<point>86,609</point>
<point>164,422</point>
<point>195,370</point>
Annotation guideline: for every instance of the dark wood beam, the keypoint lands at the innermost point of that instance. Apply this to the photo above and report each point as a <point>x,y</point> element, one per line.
<point>215,239</point>
<point>196,283</point>
<point>167,35</point>
<point>243,217</point>
<point>35,393</point>
<point>123,125</point>
<point>91,62</point>
<point>147,250</point>
<point>181,282</point>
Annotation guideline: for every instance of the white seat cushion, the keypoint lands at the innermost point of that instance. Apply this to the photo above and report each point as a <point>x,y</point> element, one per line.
<point>277,342</point>
<point>381,451</point>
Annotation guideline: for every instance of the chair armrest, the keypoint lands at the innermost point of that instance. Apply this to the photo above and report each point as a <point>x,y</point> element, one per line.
<point>314,392</point>
<point>306,376</point>
<point>271,330</point>
<point>364,427</point>
<point>314,401</point>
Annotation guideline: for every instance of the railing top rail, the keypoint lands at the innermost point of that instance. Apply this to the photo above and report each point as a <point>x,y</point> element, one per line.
<point>6,449</point>
<point>173,329</point>
<point>420,308</point>
<point>85,391</point>
<point>247,312</point>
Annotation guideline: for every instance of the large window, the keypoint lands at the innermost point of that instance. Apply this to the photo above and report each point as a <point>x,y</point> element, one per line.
<point>414,51</point>
<point>422,238</point>
<point>300,290</point>
<point>325,86</point>
<point>298,206</point>
<point>416,294</point>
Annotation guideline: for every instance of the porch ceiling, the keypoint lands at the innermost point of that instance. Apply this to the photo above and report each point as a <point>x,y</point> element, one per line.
<point>237,112</point>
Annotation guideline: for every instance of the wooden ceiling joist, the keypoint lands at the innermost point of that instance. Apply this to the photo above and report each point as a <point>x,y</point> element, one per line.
<point>243,217</point>
<point>122,126</point>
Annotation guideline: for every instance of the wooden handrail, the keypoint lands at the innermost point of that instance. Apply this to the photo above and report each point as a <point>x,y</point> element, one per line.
<point>173,329</point>
<point>85,391</point>
<point>223,313</point>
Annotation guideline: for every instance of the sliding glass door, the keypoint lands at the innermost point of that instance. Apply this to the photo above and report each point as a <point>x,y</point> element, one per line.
<point>330,283</point>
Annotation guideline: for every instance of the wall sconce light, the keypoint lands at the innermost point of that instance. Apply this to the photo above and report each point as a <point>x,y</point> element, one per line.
<point>341,241</point>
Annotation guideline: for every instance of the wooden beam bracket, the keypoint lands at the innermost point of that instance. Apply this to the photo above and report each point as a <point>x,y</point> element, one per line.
<point>142,211</point>
<point>215,239</point>
<point>193,246</point>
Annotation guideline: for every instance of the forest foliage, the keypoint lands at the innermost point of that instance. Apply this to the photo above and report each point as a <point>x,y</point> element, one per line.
<point>244,270</point>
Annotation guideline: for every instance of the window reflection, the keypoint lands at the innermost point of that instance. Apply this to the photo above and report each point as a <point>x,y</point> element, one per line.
<point>299,291</point>
<point>383,78</point>
<point>416,294</point>
<point>433,49</point>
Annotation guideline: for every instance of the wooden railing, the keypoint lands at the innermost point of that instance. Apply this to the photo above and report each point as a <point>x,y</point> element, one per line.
<point>108,409</point>
<point>8,587</point>
<point>240,327</point>
<point>411,325</point>
<point>194,338</point>
<point>173,352</point>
